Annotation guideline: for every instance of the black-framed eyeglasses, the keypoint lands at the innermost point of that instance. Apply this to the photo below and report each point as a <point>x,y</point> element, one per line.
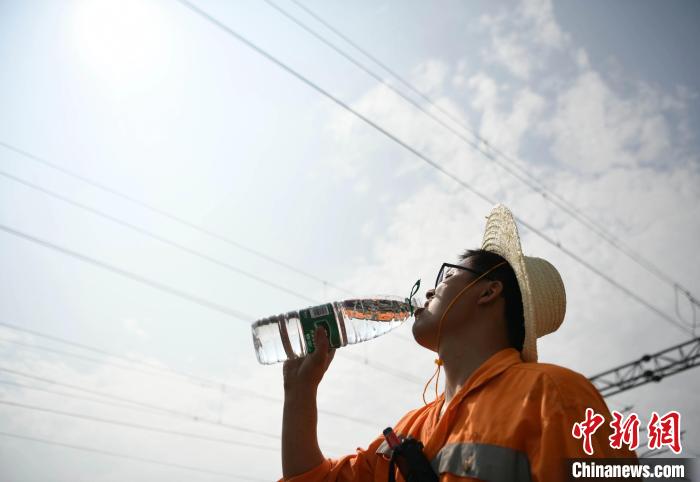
<point>447,269</point>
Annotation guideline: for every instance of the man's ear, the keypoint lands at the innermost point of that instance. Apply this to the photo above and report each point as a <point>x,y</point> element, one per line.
<point>490,292</point>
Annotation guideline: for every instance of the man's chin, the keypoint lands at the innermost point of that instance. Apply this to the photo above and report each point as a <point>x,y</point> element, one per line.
<point>420,333</point>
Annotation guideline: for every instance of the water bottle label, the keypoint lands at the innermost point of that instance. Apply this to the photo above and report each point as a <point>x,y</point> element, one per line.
<point>324,316</point>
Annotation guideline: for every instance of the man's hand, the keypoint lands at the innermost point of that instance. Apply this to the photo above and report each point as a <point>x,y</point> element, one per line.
<point>306,373</point>
<point>300,450</point>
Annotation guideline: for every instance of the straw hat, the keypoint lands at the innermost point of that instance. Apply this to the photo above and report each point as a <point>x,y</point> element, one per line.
<point>541,287</point>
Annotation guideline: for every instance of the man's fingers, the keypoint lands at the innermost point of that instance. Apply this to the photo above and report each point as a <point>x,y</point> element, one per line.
<point>321,343</point>
<point>323,334</point>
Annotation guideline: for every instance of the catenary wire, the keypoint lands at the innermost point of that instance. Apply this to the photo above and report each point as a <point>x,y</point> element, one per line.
<point>160,239</point>
<point>170,216</point>
<point>431,163</point>
<point>128,457</point>
<point>136,426</point>
<point>238,315</point>
<point>76,396</point>
<point>478,143</point>
<point>228,30</point>
<point>210,233</point>
<point>93,349</point>
<point>205,382</point>
<point>78,356</point>
<point>224,387</point>
<point>31,407</point>
<point>631,293</point>
<point>98,401</point>
<point>154,236</point>
<point>151,406</point>
<point>182,294</point>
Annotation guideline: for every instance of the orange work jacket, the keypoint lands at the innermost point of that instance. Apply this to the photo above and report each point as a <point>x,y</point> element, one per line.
<point>510,421</point>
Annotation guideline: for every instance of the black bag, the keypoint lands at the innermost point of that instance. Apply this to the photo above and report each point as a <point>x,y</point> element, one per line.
<point>412,462</point>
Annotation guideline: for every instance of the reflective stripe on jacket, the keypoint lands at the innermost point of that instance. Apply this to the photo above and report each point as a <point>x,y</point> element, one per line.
<point>511,421</point>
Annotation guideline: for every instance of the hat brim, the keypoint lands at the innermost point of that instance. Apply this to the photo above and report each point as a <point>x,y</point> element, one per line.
<point>501,237</point>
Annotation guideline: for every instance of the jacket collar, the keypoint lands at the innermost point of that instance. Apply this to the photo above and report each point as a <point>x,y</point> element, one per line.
<point>491,368</point>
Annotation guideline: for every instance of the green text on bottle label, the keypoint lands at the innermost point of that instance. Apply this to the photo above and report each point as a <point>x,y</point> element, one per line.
<point>324,316</point>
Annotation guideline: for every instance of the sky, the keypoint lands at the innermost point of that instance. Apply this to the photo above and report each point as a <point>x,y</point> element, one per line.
<point>162,186</point>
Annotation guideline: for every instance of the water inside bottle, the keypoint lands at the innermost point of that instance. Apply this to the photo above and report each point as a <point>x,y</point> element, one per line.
<point>278,338</point>
<point>365,319</point>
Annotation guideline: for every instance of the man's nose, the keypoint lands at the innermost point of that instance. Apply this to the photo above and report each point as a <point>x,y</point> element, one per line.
<point>430,293</point>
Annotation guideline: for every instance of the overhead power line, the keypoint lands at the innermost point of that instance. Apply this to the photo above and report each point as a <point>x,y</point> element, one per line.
<point>649,368</point>
<point>159,238</point>
<point>29,346</point>
<point>137,426</point>
<point>76,396</point>
<point>157,408</point>
<point>152,366</point>
<point>127,406</point>
<point>151,407</point>
<point>172,217</point>
<point>156,237</point>
<point>487,149</point>
<point>428,160</point>
<point>128,457</point>
<point>238,315</point>
<point>434,165</point>
<point>124,405</point>
<point>224,387</point>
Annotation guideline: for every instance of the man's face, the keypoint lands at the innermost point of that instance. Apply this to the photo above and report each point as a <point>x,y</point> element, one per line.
<point>425,328</point>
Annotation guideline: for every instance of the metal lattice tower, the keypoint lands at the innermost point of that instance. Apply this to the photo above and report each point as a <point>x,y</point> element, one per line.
<point>649,368</point>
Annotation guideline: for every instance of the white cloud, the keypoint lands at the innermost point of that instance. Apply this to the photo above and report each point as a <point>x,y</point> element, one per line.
<point>539,17</point>
<point>507,50</point>
<point>429,76</point>
<point>595,128</point>
<point>485,91</point>
<point>611,139</point>
<point>521,39</point>
<point>351,135</point>
<point>504,128</point>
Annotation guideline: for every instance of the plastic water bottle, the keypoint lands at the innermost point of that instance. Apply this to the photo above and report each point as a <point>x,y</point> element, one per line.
<point>290,335</point>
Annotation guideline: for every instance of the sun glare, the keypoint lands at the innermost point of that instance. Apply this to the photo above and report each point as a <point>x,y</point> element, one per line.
<point>123,42</point>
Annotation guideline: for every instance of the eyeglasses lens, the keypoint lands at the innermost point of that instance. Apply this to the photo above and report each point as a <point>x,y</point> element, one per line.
<point>444,271</point>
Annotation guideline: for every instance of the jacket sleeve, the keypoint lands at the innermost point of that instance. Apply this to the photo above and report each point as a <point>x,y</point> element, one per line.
<point>358,467</point>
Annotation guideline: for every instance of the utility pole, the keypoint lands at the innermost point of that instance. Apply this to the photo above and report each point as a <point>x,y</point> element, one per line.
<point>649,368</point>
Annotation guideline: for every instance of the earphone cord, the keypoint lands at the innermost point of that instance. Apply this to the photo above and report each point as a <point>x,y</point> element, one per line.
<point>438,360</point>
